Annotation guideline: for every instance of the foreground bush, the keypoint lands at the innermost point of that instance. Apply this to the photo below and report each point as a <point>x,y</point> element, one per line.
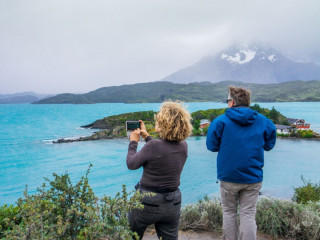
<point>277,218</point>
<point>309,192</point>
<point>63,210</point>
<point>67,211</point>
<point>206,215</point>
<point>289,219</point>
<point>8,214</point>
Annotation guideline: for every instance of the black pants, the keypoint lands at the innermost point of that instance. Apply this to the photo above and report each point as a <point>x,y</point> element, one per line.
<point>162,210</point>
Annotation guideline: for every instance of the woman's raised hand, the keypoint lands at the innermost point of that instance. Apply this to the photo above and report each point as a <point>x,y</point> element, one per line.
<point>143,130</point>
<point>135,135</point>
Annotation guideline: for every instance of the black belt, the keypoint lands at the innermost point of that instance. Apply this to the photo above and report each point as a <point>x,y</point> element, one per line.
<point>155,189</point>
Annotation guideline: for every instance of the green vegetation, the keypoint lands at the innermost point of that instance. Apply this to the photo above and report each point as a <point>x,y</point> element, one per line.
<point>294,91</point>
<point>304,134</point>
<point>309,192</point>
<point>9,215</point>
<point>287,219</point>
<point>196,131</point>
<point>116,125</point>
<point>277,218</point>
<point>300,134</point>
<point>272,114</point>
<point>66,211</point>
<point>211,114</point>
<point>275,116</point>
<point>63,210</point>
<point>206,215</point>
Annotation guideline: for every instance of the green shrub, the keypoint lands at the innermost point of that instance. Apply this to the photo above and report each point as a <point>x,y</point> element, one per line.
<point>277,218</point>
<point>206,215</point>
<point>308,192</point>
<point>288,219</point>
<point>71,211</point>
<point>306,133</point>
<point>197,132</point>
<point>303,134</point>
<point>196,124</point>
<point>9,214</point>
<point>282,135</point>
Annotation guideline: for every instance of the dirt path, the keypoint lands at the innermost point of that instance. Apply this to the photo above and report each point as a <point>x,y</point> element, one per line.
<point>189,235</point>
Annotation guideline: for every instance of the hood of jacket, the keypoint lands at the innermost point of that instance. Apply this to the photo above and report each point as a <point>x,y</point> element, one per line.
<point>242,115</point>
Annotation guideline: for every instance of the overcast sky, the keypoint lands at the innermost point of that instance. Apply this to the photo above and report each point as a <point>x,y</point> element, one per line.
<point>80,45</point>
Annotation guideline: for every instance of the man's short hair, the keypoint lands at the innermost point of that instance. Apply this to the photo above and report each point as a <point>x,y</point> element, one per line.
<point>240,96</point>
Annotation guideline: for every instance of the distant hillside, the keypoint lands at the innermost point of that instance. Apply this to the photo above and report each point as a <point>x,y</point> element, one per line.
<point>19,99</point>
<point>253,63</point>
<point>297,91</point>
<point>24,97</point>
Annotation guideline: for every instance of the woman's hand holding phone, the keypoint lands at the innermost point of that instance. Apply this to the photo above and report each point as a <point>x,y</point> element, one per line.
<point>143,130</point>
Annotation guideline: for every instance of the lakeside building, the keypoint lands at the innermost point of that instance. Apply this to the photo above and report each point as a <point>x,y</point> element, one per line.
<point>300,124</point>
<point>204,123</point>
<point>284,129</point>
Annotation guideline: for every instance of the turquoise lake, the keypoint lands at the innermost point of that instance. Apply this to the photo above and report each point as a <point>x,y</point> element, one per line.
<point>27,154</point>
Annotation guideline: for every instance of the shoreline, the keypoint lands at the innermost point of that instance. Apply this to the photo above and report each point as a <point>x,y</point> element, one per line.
<point>296,138</point>
<point>91,138</point>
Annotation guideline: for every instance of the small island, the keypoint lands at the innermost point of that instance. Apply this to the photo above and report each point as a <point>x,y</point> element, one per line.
<point>114,126</point>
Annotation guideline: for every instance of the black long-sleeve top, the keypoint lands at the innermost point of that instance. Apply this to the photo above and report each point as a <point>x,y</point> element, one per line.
<point>162,162</point>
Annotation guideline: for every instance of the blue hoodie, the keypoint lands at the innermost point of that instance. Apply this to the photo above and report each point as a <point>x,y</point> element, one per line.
<point>240,137</point>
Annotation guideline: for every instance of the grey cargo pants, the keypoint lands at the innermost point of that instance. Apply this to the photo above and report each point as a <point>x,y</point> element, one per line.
<point>246,197</point>
<point>162,210</point>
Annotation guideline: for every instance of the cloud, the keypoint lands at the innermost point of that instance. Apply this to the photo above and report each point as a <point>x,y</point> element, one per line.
<point>80,45</point>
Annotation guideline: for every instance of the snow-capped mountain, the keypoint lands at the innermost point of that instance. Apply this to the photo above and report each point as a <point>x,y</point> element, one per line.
<point>254,63</point>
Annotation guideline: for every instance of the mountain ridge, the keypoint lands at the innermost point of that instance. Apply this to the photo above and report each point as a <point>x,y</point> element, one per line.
<point>155,92</point>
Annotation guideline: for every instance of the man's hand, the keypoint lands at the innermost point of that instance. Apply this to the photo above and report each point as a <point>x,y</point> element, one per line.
<point>135,135</point>
<point>143,130</point>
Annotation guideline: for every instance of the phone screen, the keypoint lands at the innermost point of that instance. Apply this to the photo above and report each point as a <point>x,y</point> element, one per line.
<point>132,125</point>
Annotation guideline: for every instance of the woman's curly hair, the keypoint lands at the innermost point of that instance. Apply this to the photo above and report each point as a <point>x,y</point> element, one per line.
<point>174,122</point>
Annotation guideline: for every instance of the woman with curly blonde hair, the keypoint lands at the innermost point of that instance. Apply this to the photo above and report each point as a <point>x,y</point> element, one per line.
<point>162,161</point>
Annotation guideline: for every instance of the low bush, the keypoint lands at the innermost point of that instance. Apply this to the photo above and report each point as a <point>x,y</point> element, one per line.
<point>63,210</point>
<point>309,192</point>
<point>8,214</point>
<point>66,211</point>
<point>282,135</point>
<point>206,215</point>
<point>277,218</point>
<point>288,219</point>
<point>303,134</point>
<point>197,132</point>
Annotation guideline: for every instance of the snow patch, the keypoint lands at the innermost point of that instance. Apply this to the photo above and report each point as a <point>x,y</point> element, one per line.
<point>223,56</point>
<point>272,58</point>
<point>248,56</point>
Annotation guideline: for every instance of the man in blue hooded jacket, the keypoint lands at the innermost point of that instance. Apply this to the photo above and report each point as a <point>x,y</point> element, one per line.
<point>240,136</point>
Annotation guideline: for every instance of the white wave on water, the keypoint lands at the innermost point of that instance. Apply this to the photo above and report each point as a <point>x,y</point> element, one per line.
<point>49,141</point>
